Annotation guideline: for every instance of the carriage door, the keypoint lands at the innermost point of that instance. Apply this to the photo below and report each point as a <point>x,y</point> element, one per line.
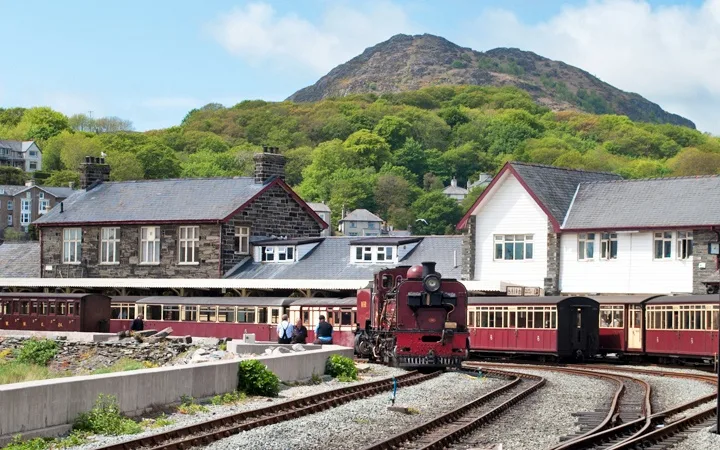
<point>635,328</point>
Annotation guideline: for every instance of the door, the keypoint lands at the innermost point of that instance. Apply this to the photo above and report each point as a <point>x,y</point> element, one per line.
<point>635,329</point>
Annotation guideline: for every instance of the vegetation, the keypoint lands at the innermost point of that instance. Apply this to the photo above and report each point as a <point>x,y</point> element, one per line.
<point>228,398</point>
<point>36,351</point>
<point>105,418</point>
<point>189,406</point>
<point>387,153</point>
<point>160,422</point>
<point>74,439</point>
<point>341,367</point>
<point>254,378</point>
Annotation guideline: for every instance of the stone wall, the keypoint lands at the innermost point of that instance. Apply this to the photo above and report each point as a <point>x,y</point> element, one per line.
<point>92,170</point>
<point>269,163</point>
<point>128,265</point>
<point>552,280</point>
<point>468,250</point>
<point>274,213</point>
<point>700,256</point>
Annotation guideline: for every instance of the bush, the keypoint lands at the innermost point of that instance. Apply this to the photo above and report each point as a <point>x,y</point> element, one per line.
<point>254,378</point>
<point>341,367</point>
<point>228,398</point>
<point>37,351</point>
<point>189,407</point>
<point>105,418</point>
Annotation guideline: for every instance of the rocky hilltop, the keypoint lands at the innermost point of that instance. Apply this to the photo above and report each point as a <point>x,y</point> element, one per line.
<point>405,63</point>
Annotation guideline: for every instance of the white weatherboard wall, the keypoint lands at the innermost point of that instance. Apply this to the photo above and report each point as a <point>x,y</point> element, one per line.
<point>633,272</point>
<point>509,209</point>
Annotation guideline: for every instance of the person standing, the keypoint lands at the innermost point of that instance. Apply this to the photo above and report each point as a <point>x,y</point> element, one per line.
<point>285,330</point>
<point>299,333</point>
<point>323,332</point>
<point>137,324</point>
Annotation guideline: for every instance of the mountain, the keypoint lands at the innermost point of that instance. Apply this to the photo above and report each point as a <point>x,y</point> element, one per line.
<point>405,63</point>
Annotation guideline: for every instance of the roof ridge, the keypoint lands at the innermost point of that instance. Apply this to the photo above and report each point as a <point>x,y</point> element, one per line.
<point>174,179</point>
<point>567,169</point>
<point>632,180</point>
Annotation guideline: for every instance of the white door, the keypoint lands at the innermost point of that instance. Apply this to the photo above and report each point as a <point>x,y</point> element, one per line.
<point>635,328</point>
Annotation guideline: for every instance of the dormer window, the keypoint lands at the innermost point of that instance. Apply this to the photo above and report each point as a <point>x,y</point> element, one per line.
<point>370,254</point>
<point>282,254</point>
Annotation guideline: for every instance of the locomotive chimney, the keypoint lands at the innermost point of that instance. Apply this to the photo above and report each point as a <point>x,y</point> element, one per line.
<point>428,268</point>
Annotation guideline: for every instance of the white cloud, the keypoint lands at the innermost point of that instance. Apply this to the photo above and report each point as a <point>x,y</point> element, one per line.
<point>670,55</point>
<point>258,34</point>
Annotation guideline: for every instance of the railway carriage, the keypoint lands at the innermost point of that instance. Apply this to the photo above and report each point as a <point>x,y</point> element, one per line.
<point>558,327</point>
<point>54,312</point>
<point>621,325</point>
<point>341,313</point>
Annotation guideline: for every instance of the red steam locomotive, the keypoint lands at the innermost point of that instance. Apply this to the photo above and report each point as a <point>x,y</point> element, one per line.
<point>413,318</point>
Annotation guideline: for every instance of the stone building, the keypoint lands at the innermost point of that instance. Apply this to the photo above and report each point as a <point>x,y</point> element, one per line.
<point>23,155</point>
<point>21,205</point>
<point>178,228</point>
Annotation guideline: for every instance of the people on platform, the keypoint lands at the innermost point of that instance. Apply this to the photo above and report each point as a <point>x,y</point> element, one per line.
<point>299,333</point>
<point>323,332</point>
<point>285,330</point>
<point>138,324</point>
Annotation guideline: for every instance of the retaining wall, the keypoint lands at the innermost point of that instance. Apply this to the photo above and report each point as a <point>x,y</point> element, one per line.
<point>48,407</point>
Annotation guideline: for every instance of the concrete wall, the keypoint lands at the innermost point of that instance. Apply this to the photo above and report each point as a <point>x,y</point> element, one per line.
<point>47,407</point>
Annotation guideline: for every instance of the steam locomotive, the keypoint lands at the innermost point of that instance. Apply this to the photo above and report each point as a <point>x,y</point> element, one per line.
<point>413,318</point>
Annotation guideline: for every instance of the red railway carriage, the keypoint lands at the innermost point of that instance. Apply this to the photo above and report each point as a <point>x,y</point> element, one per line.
<point>339,312</point>
<point>54,312</point>
<point>621,324</point>
<point>682,327</point>
<point>562,327</point>
<point>413,318</point>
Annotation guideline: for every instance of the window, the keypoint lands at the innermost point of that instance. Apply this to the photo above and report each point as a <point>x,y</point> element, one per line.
<point>586,246</point>
<point>371,225</point>
<point>189,245</point>
<point>33,153</point>
<point>516,317</point>
<point>278,254</point>
<point>208,314</point>
<point>246,315</point>
<point>684,244</point>
<point>109,238</point>
<point>242,240</point>
<point>190,313</point>
<point>513,246</point>
<point>9,220</point>
<point>171,312</point>
<point>153,312</point>
<point>10,205</point>
<point>226,314</point>
<point>612,316</point>
<point>663,245</point>
<point>122,311</point>
<point>353,224</point>
<point>25,218</point>
<point>33,165</point>
<point>384,253</point>
<point>149,245</point>
<point>72,238</point>
<point>608,246</point>
<point>373,254</point>
<point>44,206</point>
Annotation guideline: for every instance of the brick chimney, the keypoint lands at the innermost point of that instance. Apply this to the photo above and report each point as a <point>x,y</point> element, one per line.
<point>268,163</point>
<point>93,170</point>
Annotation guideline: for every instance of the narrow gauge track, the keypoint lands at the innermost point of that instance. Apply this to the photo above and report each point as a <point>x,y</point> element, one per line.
<point>201,434</point>
<point>442,431</point>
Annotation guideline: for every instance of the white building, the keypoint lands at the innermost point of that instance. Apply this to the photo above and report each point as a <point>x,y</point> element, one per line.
<point>361,222</point>
<point>322,210</point>
<point>569,231</point>
<point>24,155</point>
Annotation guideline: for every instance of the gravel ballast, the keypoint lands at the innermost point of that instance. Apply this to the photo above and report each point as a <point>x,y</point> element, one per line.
<point>363,422</point>
<point>701,440</point>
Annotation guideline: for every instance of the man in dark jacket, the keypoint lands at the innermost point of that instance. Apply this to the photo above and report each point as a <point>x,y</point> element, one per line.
<point>138,324</point>
<point>299,333</point>
<point>323,332</point>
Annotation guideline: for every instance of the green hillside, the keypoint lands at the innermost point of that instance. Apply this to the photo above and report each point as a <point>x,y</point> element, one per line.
<point>390,154</point>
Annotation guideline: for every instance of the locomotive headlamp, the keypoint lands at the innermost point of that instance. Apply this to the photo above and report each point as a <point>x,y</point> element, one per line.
<point>431,283</point>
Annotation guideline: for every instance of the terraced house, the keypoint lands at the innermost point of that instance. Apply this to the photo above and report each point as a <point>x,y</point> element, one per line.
<point>21,205</point>
<point>179,228</point>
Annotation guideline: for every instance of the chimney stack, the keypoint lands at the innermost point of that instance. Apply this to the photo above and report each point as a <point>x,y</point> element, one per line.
<point>30,183</point>
<point>93,170</point>
<point>453,182</point>
<point>269,163</point>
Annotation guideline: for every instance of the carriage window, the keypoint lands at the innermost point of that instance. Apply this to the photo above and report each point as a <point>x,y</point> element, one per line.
<point>498,319</point>
<point>346,318</point>
<point>511,319</point>
<point>208,314</point>
<point>553,318</point>
<point>522,319</point>
<point>246,315</point>
<point>62,309</point>
<point>24,308</point>
<point>171,312</point>
<point>637,318</point>
<point>226,314</point>
<point>6,308</point>
<point>579,318</point>
<point>190,313</point>
<point>538,319</point>
<point>52,308</point>
<point>34,309</point>
<point>471,318</point>
<point>484,318</point>
<point>262,315</point>
<point>715,317</point>
<point>306,316</point>
<point>275,315</point>
<point>123,311</point>
<point>153,312</point>
<point>71,308</point>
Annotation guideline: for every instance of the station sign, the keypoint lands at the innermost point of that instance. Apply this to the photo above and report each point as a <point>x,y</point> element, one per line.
<point>521,291</point>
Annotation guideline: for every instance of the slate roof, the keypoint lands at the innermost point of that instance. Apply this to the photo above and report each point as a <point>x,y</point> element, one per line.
<point>12,145</point>
<point>11,190</point>
<point>319,207</point>
<point>160,201</point>
<point>385,240</point>
<point>649,203</point>
<point>330,259</point>
<point>455,190</point>
<point>58,192</point>
<point>555,187</point>
<point>361,215</point>
<point>20,260</point>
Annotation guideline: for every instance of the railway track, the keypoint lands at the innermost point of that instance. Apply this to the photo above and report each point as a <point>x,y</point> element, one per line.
<point>203,433</point>
<point>442,431</point>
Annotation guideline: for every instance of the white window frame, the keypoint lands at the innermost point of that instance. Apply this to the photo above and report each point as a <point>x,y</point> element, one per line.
<point>373,254</point>
<point>525,241</point>
<point>10,205</point>
<point>41,195</point>
<point>33,153</point>
<point>25,218</point>
<point>241,242</point>
<point>72,245</point>
<point>606,247</point>
<point>10,220</point>
<point>278,254</point>
<point>188,245</point>
<point>684,245</point>
<point>109,239</point>
<point>43,206</point>
<point>150,248</point>
<point>25,205</point>
<point>586,241</point>
<point>667,238</point>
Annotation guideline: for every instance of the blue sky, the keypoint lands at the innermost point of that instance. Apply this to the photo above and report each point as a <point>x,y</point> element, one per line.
<point>153,61</point>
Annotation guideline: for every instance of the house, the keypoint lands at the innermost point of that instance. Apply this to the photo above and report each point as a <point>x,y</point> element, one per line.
<point>323,211</point>
<point>177,228</point>
<point>21,205</point>
<point>361,222</point>
<point>24,155</point>
<point>454,191</point>
<point>558,230</point>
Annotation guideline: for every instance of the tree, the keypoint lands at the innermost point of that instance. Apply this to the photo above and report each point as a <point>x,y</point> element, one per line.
<point>112,125</point>
<point>435,213</point>
<point>42,123</point>
<point>125,166</point>
<point>81,122</point>
<point>63,178</point>
<point>351,188</point>
<point>158,161</point>
<point>369,148</point>
<point>210,164</point>
<point>297,159</point>
<point>391,191</point>
<point>327,158</point>
<point>394,130</point>
<point>453,116</point>
<point>11,116</point>
<point>472,195</point>
<point>11,175</point>
<point>432,182</point>
<point>74,147</point>
<point>691,161</point>
<point>411,156</point>
<point>123,141</point>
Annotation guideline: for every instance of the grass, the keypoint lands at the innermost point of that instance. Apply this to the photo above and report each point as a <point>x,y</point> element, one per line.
<point>74,439</point>
<point>229,398</point>
<point>19,372</point>
<point>189,407</point>
<point>124,364</point>
<point>161,421</point>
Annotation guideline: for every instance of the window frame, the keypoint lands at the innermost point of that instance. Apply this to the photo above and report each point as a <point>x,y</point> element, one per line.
<point>614,311</point>
<point>188,245</point>
<point>585,242</point>
<point>72,236</point>
<point>501,242</point>
<point>241,240</point>
<point>279,254</point>
<point>684,245</point>
<point>665,240</point>
<point>145,246</point>
<point>106,243</point>
<point>370,254</point>
<point>606,246</point>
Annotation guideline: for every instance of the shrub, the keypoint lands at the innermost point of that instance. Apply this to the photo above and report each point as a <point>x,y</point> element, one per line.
<point>228,398</point>
<point>189,407</point>
<point>37,351</point>
<point>161,421</point>
<point>254,378</point>
<point>105,418</point>
<point>341,367</point>
<point>34,444</point>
